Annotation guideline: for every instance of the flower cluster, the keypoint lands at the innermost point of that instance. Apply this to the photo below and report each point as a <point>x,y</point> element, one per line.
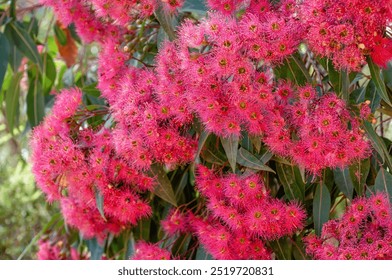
<point>73,164</point>
<point>241,216</point>
<point>363,232</point>
<point>148,251</point>
<point>346,31</point>
<point>316,132</point>
<point>58,250</point>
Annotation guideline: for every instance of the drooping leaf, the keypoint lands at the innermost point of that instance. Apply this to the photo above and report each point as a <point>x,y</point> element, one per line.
<point>291,180</point>
<point>197,6</point>
<point>12,101</point>
<point>95,249</point>
<point>22,40</point>
<point>245,158</point>
<point>99,200</point>
<point>4,54</point>
<point>359,173</point>
<point>230,145</point>
<point>383,183</point>
<point>321,207</point>
<point>166,22</point>
<point>35,102</point>
<point>372,95</point>
<point>164,187</point>
<point>50,73</point>
<point>378,144</point>
<point>379,83</point>
<point>202,139</point>
<point>344,182</point>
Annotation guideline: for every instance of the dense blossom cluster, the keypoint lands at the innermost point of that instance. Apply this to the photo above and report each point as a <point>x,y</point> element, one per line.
<point>73,163</point>
<point>218,71</point>
<point>49,250</point>
<point>316,132</point>
<point>241,216</point>
<point>364,232</point>
<point>346,31</point>
<point>148,251</point>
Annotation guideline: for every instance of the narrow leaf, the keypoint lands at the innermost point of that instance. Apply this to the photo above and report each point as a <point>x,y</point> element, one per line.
<point>24,43</point>
<point>230,145</point>
<point>290,178</point>
<point>245,158</point>
<point>166,22</point>
<point>378,144</point>
<point>12,101</point>
<point>99,200</point>
<point>383,183</point>
<point>95,249</point>
<point>35,103</point>
<point>359,173</point>
<point>164,187</point>
<point>4,54</point>
<point>376,77</point>
<point>344,182</point>
<point>202,140</point>
<point>321,207</point>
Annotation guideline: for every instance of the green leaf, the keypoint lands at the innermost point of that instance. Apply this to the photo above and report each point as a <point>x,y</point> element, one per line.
<point>378,144</point>
<point>24,43</point>
<point>344,182</point>
<point>202,140</point>
<point>290,177</point>
<point>372,96</point>
<point>166,22</point>
<point>376,77</point>
<point>321,207</point>
<point>197,6</point>
<point>35,103</point>
<point>12,102</point>
<point>60,35</point>
<point>4,55</point>
<point>53,221</point>
<point>95,249</point>
<point>230,145</point>
<point>384,183</point>
<point>50,73</point>
<point>246,159</point>
<point>99,200</point>
<point>164,187</point>
<point>359,173</point>
<point>293,69</point>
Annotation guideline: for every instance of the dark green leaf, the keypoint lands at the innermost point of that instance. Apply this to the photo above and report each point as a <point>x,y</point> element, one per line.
<point>384,183</point>
<point>164,187</point>
<point>202,254</point>
<point>293,70</point>
<point>35,103</point>
<point>344,182</point>
<point>359,173</point>
<point>378,144</point>
<point>12,102</point>
<point>166,22</point>
<point>246,159</point>
<point>321,207</point>
<point>24,43</point>
<point>202,139</point>
<point>230,145</point>
<point>379,83</point>
<point>194,6</point>
<point>4,55</point>
<point>291,180</point>
<point>95,249</point>
<point>372,96</point>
